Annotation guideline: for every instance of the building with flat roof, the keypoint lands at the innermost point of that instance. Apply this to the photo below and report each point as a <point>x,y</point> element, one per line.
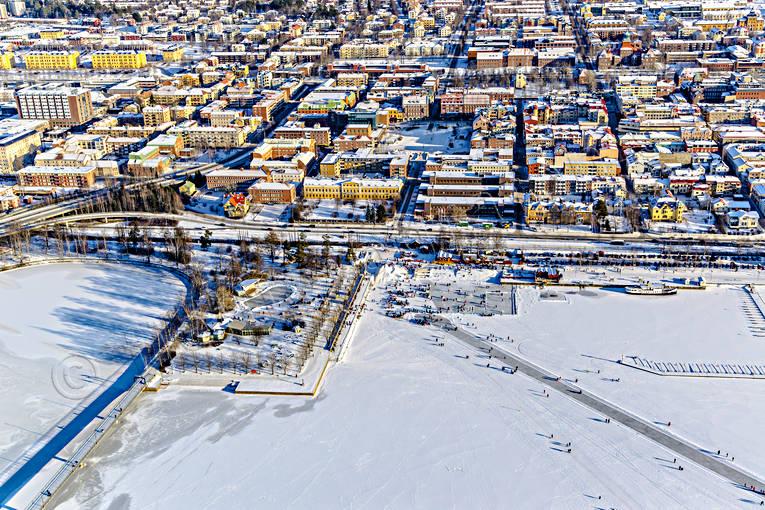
<point>57,176</point>
<point>61,105</point>
<point>352,189</point>
<point>15,144</point>
<point>118,59</point>
<point>156,115</point>
<point>229,178</point>
<point>272,193</point>
<point>51,59</point>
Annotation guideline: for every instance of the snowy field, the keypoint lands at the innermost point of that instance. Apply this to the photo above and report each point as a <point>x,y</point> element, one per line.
<point>327,209</point>
<point>207,203</point>
<point>427,136</point>
<point>67,332</point>
<point>405,423</point>
<point>694,221</point>
<point>272,213</point>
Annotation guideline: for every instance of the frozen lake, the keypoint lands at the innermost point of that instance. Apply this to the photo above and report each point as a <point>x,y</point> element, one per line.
<point>67,334</point>
<point>401,423</point>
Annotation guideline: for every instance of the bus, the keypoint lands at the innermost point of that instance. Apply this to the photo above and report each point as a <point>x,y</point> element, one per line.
<point>487,226</point>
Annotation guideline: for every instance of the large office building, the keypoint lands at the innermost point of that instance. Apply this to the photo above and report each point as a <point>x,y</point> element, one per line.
<point>61,105</point>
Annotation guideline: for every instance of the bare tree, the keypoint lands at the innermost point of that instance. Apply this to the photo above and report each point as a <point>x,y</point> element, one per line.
<point>148,245</point>
<point>245,359</point>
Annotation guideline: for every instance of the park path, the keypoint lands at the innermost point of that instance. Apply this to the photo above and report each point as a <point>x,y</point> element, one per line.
<point>681,447</point>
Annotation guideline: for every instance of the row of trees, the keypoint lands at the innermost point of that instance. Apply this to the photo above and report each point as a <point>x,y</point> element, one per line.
<point>235,362</point>
<point>151,198</point>
<point>71,9</point>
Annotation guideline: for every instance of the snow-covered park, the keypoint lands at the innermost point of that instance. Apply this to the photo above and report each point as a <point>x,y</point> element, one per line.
<point>429,137</point>
<point>413,418</point>
<point>67,334</point>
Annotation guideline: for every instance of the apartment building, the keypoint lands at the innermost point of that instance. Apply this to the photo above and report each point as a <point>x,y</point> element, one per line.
<point>210,137</point>
<point>51,59</point>
<point>6,60</point>
<point>364,50</point>
<point>605,167</point>
<point>61,105</point>
<point>273,148</point>
<point>298,130</point>
<point>558,213</point>
<point>352,79</point>
<point>50,34</point>
<point>118,59</point>
<point>15,144</point>
<point>267,105</point>
<point>57,176</point>
<point>156,115</point>
<point>361,161</point>
<point>172,54</point>
<point>643,87</point>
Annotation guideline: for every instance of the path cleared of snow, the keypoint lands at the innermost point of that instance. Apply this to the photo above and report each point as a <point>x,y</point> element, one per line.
<point>400,423</point>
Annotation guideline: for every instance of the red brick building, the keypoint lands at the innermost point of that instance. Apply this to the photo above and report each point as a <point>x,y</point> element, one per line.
<point>272,193</point>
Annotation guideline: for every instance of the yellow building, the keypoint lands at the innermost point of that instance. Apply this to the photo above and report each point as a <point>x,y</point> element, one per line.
<point>267,26</point>
<point>15,146</point>
<point>51,59</point>
<point>204,137</point>
<point>667,208</point>
<point>364,50</point>
<point>557,213</point>
<point>6,60</point>
<point>644,87</point>
<point>752,22</point>
<point>197,97</point>
<point>352,79</point>
<point>707,25</point>
<point>190,80</point>
<point>156,115</point>
<point>51,34</point>
<point>173,54</point>
<point>352,189</point>
<point>330,165</point>
<point>119,59</point>
<point>607,167</point>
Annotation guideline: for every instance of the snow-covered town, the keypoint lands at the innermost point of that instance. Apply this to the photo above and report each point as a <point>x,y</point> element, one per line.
<point>377,254</point>
<point>380,375</point>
